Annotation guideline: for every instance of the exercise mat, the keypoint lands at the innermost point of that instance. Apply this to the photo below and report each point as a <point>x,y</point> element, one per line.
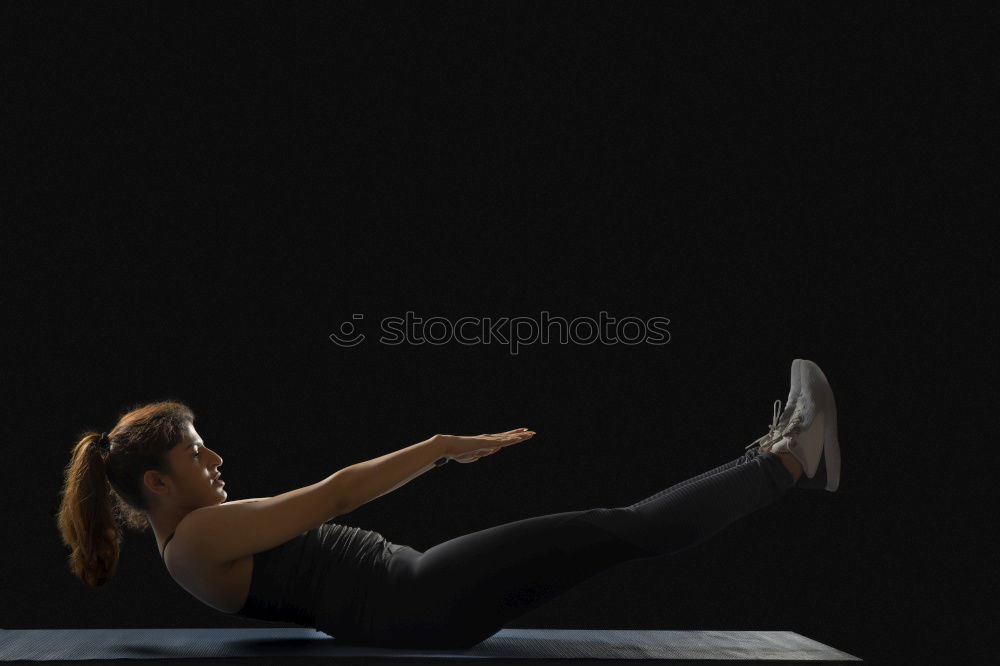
<point>199,643</point>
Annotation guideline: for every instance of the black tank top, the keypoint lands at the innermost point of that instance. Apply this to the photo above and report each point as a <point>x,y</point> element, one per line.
<point>317,579</point>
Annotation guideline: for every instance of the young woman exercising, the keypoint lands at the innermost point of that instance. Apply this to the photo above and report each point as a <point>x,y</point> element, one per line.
<point>284,559</point>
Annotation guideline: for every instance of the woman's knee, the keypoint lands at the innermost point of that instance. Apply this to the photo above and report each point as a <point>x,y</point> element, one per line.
<point>629,529</point>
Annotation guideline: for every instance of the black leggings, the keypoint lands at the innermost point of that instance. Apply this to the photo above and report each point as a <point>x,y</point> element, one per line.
<point>464,590</point>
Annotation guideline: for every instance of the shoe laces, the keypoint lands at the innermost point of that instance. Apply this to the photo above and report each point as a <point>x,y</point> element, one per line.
<point>774,434</point>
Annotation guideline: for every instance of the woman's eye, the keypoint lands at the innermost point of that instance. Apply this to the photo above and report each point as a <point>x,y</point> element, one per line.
<point>197,453</point>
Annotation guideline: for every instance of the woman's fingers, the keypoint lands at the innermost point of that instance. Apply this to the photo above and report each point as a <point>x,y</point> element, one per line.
<point>517,438</point>
<point>487,444</point>
<point>473,456</point>
<point>512,437</point>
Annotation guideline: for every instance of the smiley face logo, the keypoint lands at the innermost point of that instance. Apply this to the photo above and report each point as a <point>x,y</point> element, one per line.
<point>348,336</point>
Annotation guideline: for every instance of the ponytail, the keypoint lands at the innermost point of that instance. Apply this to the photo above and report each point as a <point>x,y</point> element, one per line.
<point>85,517</point>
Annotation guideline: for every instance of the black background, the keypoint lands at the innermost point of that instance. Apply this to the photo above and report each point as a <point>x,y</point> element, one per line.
<point>203,193</point>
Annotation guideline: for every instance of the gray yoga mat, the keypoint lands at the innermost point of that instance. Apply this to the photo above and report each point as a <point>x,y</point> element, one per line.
<point>79,644</point>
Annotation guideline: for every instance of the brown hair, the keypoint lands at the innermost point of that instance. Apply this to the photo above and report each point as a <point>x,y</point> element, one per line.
<point>101,488</point>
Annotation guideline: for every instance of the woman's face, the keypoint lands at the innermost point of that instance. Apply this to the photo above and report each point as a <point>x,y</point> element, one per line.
<point>193,467</point>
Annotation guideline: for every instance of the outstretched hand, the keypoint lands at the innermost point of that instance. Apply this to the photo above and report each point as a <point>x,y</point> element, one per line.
<point>465,449</point>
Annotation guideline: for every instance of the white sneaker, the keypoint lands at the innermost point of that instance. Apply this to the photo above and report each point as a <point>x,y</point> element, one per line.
<point>810,434</point>
<point>780,423</point>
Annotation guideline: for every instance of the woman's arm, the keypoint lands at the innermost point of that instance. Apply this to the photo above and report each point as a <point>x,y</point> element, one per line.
<point>362,482</point>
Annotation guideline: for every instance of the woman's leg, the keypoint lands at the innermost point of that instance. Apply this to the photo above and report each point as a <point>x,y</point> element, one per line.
<point>464,590</point>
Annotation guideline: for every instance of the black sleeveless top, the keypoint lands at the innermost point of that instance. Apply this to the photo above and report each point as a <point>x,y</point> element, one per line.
<point>317,579</point>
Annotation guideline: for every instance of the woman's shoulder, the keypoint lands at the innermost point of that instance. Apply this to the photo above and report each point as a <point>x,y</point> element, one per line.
<point>244,501</point>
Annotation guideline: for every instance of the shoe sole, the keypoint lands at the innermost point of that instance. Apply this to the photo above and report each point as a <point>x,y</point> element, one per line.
<point>828,407</point>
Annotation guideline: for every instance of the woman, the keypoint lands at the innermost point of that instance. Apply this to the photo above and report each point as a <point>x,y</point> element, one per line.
<point>283,558</point>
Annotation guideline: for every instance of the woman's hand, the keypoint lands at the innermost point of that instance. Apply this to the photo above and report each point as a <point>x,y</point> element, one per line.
<point>471,448</point>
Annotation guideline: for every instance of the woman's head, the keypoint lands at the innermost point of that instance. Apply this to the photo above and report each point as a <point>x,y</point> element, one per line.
<point>155,461</point>
<point>190,483</point>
